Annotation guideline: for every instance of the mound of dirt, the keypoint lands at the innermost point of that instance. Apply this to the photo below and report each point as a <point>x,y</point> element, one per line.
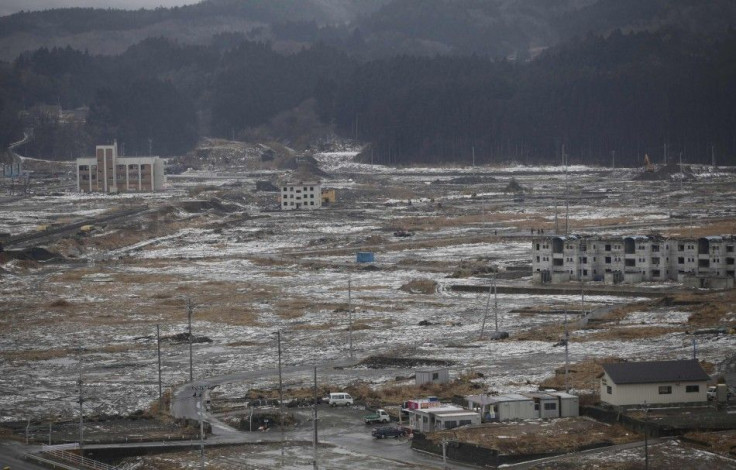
<point>184,338</point>
<point>667,173</point>
<point>387,362</point>
<point>35,253</point>
<point>514,187</point>
<point>304,167</point>
<point>420,286</point>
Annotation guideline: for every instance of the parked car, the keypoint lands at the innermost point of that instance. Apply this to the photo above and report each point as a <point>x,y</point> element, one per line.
<point>389,431</point>
<point>713,394</point>
<point>380,416</point>
<point>341,398</point>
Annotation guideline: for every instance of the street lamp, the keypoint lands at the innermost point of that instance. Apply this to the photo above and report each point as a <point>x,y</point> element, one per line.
<point>646,440</point>
<point>281,397</point>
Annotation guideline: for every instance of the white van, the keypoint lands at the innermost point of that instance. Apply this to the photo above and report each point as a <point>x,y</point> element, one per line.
<point>341,398</point>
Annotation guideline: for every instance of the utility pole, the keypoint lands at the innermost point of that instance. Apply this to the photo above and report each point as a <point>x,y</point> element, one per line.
<point>582,296</point>
<point>81,410</point>
<point>315,440</point>
<point>281,397</point>
<point>191,357</point>
<point>646,437</point>
<point>567,193</point>
<point>350,315</point>
<point>160,391</point>
<point>201,430</point>
<point>485,314</point>
<point>567,357</point>
<point>444,453</point>
<point>713,156</point>
<point>199,391</point>
<point>495,301</point>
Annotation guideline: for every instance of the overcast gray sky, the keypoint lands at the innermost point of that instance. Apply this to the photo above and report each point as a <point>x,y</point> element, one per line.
<point>8,7</point>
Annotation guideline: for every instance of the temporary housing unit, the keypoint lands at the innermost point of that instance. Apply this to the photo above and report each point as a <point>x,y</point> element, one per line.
<point>569,405</point>
<point>513,406</point>
<point>432,376</point>
<point>441,417</point>
<point>109,173</point>
<point>507,407</point>
<point>301,195</point>
<point>545,405</point>
<point>629,384</point>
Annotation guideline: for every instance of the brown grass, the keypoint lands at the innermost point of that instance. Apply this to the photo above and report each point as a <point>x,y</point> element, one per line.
<point>723,442</point>
<point>55,353</point>
<point>581,375</point>
<point>630,333</point>
<point>561,435</point>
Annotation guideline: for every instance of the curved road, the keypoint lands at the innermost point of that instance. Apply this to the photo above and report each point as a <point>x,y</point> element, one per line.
<point>185,405</point>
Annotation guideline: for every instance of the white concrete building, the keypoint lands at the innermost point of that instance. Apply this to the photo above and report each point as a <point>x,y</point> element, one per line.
<point>628,384</point>
<point>109,173</point>
<point>631,259</point>
<point>301,195</point>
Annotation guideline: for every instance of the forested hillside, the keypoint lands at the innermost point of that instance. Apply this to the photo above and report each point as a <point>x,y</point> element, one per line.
<point>629,92</point>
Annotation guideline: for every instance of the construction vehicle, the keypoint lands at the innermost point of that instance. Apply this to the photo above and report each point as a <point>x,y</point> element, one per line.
<point>648,164</point>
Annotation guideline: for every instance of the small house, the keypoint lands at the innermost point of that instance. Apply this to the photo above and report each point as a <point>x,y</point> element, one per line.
<point>432,376</point>
<point>545,405</point>
<point>569,405</point>
<point>441,417</point>
<point>507,407</point>
<point>655,382</point>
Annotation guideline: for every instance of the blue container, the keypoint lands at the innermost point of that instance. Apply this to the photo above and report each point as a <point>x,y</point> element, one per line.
<point>365,257</point>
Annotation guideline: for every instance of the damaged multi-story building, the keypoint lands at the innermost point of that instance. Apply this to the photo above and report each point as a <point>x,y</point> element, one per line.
<point>110,173</point>
<point>696,262</point>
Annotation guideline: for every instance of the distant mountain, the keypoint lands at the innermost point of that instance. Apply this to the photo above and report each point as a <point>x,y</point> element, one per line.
<point>111,31</point>
<point>364,28</point>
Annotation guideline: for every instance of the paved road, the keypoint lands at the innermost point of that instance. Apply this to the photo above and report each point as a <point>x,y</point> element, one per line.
<point>11,454</point>
<point>185,405</point>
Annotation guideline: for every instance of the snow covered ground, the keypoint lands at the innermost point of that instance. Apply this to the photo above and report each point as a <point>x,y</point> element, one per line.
<point>273,271</point>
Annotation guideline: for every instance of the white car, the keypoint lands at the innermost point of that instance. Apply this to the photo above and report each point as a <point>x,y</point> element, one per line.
<point>341,398</point>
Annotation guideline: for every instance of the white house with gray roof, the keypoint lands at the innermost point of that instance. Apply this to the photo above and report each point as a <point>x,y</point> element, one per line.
<point>628,384</point>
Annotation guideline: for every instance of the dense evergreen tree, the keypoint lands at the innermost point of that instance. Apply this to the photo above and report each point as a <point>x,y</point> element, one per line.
<point>147,116</point>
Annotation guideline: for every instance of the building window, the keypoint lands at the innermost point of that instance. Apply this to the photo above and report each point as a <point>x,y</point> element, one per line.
<point>550,406</point>
<point>608,247</point>
<point>609,390</point>
<point>608,260</point>
<point>692,388</point>
<point>665,389</point>
<point>435,375</point>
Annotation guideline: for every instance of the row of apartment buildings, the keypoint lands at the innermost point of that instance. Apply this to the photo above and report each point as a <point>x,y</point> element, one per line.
<point>634,259</point>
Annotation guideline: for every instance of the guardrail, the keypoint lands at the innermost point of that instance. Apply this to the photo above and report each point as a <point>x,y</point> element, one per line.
<point>66,459</point>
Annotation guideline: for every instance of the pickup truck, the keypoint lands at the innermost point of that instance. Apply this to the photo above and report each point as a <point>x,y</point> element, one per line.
<point>380,416</point>
<point>389,431</point>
